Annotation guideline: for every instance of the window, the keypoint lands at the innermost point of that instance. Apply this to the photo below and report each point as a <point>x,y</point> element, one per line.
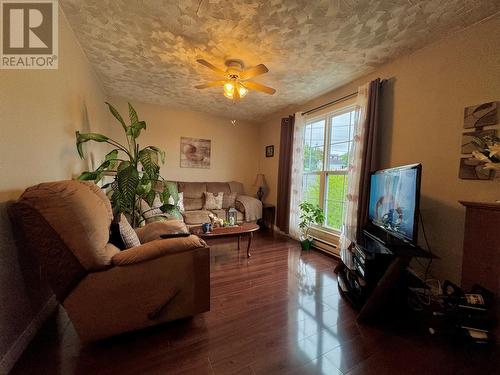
<point>327,143</point>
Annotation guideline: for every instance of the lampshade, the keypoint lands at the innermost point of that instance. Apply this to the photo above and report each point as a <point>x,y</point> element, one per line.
<point>260,181</point>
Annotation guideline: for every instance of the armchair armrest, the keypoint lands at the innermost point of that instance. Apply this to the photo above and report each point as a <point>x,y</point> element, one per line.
<point>157,248</point>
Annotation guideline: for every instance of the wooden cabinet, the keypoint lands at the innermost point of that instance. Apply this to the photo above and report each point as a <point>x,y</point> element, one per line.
<point>481,258</point>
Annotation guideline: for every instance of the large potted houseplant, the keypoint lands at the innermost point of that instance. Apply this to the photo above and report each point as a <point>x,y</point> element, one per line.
<point>309,214</point>
<point>135,171</point>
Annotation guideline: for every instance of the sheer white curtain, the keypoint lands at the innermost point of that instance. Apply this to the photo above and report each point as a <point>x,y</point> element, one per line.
<point>297,168</point>
<point>349,229</point>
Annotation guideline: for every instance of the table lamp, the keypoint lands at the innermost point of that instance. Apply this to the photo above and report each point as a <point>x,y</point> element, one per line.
<point>260,182</point>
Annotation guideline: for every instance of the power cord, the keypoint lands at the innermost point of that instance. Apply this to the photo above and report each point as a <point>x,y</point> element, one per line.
<point>427,295</point>
<point>427,245</point>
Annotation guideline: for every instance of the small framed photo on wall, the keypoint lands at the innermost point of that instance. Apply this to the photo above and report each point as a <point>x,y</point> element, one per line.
<point>269,151</point>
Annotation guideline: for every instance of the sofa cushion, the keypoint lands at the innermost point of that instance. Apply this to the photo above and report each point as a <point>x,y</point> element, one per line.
<point>215,187</point>
<point>221,214</point>
<point>192,189</point>
<point>80,213</point>
<point>229,200</point>
<point>193,204</point>
<point>213,201</point>
<point>154,230</point>
<point>236,187</point>
<point>196,217</point>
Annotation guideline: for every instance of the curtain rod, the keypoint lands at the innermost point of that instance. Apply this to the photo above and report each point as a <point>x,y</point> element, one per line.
<point>330,103</point>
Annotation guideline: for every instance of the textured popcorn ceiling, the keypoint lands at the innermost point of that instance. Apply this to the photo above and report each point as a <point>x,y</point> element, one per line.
<point>146,50</point>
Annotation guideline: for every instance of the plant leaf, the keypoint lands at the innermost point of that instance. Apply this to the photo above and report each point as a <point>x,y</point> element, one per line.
<point>143,189</point>
<point>149,162</point>
<point>117,115</point>
<point>150,197</point>
<point>112,155</point>
<point>132,114</point>
<point>134,130</point>
<point>159,151</point>
<point>127,178</point>
<point>88,176</point>
<point>85,137</point>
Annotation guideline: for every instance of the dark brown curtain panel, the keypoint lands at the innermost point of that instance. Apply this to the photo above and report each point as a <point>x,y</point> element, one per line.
<point>285,174</point>
<point>370,161</point>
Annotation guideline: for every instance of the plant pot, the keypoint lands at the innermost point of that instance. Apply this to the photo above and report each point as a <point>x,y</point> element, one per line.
<point>306,244</point>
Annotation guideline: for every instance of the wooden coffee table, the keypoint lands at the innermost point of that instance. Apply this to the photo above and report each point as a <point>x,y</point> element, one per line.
<point>240,230</point>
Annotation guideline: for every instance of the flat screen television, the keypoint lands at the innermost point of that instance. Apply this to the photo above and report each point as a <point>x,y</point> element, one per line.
<point>394,201</point>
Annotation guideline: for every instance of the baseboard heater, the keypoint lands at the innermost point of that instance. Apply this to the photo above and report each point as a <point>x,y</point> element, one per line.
<point>325,241</point>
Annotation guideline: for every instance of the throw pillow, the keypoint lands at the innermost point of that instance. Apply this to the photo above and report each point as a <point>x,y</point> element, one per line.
<point>229,200</point>
<point>212,201</point>
<point>122,234</point>
<point>154,210</point>
<point>180,202</point>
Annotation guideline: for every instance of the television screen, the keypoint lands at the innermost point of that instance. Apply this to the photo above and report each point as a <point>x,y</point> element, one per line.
<point>394,196</point>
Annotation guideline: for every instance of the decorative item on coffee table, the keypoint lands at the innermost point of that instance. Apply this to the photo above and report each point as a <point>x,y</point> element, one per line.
<point>232,217</point>
<point>215,221</point>
<point>309,214</point>
<point>230,231</point>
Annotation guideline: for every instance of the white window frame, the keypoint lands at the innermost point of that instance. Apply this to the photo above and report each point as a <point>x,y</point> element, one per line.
<point>323,174</point>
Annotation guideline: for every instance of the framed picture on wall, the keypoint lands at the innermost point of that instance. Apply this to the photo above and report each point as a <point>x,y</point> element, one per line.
<point>269,151</point>
<point>477,116</point>
<point>195,152</point>
<point>471,169</point>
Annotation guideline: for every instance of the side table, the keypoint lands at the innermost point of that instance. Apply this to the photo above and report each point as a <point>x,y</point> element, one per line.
<point>268,216</point>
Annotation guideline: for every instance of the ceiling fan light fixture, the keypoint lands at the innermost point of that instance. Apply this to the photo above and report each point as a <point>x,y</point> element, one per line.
<point>242,90</point>
<point>229,90</point>
<point>236,80</point>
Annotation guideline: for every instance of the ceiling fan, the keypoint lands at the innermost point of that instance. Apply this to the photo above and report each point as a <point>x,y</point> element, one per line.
<point>235,79</point>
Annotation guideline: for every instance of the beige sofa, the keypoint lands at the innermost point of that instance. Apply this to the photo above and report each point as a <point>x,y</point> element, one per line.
<point>249,208</point>
<point>106,291</point>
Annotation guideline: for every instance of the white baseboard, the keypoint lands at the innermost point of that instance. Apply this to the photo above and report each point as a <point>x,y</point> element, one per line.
<point>10,358</point>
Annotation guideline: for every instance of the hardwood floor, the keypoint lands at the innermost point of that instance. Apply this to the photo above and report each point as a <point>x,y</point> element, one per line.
<point>278,312</point>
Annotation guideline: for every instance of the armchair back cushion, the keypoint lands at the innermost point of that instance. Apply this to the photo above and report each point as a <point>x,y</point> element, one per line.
<point>80,213</point>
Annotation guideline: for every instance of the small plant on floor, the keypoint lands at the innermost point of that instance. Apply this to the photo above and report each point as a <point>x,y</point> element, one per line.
<point>136,171</point>
<point>309,214</point>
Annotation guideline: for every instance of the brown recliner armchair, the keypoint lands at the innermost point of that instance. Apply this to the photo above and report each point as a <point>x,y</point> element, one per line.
<point>104,290</point>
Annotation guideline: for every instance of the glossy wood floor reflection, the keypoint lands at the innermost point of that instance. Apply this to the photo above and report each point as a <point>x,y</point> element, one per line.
<point>276,313</point>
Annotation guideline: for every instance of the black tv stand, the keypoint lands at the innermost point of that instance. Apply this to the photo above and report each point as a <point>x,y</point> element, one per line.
<point>379,267</point>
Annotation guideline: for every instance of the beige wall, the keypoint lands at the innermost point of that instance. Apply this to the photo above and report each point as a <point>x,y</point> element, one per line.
<point>39,113</point>
<point>422,122</point>
<point>235,148</point>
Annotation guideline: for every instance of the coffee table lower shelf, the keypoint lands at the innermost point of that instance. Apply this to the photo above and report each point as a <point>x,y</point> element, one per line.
<point>239,231</point>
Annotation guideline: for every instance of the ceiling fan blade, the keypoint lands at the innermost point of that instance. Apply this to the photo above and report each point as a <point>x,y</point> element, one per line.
<point>212,67</point>
<point>259,87</point>
<point>253,72</point>
<point>210,84</point>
